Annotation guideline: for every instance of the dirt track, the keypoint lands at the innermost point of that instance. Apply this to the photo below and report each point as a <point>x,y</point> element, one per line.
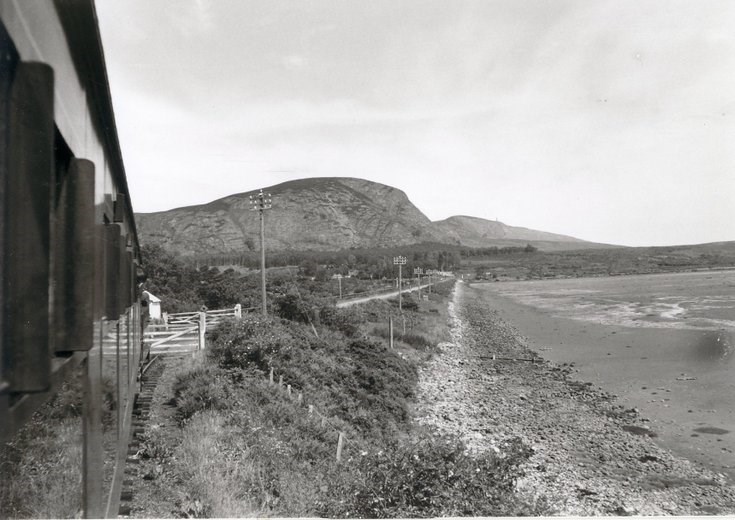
<point>381,296</point>
<point>592,457</point>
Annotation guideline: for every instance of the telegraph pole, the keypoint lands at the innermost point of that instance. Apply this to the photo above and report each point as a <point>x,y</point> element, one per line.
<point>400,261</point>
<point>418,272</point>
<point>339,280</point>
<point>260,203</point>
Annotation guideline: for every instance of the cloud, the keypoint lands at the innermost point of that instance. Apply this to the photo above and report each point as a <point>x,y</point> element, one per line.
<point>584,118</point>
<point>294,62</point>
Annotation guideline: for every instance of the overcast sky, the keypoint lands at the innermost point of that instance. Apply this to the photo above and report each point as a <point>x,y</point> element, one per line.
<point>612,121</point>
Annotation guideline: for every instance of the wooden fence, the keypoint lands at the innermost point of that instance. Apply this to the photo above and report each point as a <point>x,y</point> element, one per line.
<point>324,421</point>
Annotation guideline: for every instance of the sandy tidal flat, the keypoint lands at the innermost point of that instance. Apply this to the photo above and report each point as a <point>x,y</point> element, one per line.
<point>662,343</point>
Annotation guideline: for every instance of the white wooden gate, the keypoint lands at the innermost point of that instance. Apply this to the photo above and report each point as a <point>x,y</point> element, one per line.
<point>184,332</point>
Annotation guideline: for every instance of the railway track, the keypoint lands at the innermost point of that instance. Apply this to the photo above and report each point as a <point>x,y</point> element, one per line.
<point>141,414</point>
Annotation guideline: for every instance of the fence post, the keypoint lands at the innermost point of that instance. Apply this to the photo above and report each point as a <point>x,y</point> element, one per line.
<point>300,399</point>
<point>280,382</point>
<point>271,377</point>
<point>288,390</point>
<point>390,330</point>
<point>238,311</point>
<point>311,409</point>
<point>340,443</point>
<point>202,329</point>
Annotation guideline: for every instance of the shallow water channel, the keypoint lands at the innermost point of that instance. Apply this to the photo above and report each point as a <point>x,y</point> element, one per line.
<point>662,343</point>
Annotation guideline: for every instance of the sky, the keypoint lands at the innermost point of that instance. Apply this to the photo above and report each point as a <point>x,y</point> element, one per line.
<point>608,120</point>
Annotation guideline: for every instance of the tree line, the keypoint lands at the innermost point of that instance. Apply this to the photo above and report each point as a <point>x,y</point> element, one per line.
<point>371,263</point>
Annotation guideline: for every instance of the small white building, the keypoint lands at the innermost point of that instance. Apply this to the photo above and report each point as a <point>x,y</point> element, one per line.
<point>154,305</point>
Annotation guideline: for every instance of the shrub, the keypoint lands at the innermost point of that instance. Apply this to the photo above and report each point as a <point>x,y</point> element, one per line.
<point>376,310</point>
<point>293,307</point>
<point>252,341</point>
<point>382,383</point>
<point>407,303</point>
<point>201,389</point>
<point>415,340</point>
<point>345,320</point>
<point>434,476</point>
<point>361,382</point>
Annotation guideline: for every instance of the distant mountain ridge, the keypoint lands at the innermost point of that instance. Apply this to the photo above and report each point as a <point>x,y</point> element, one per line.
<point>327,213</point>
<point>474,231</point>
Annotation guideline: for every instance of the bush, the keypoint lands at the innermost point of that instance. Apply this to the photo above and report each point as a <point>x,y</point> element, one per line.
<point>201,389</point>
<point>407,303</point>
<point>381,382</point>
<point>432,477</point>
<point>377,310</point>
<point>345,320</point>
<point>293,307</point>
<point>361,382</point>
<point>415,340</point>
<point>251,341</point>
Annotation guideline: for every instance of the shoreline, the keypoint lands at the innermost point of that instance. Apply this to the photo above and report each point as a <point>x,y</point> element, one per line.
<point>661,372</point>
<point>592,456</point>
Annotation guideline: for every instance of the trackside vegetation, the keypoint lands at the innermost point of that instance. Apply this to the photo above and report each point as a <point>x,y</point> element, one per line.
<point>248,448</point>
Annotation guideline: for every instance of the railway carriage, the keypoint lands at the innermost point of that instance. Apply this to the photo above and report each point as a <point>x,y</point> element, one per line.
<point>69,252</point>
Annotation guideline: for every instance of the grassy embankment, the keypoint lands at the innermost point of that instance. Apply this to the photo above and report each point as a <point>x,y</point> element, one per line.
<point>248,448</point>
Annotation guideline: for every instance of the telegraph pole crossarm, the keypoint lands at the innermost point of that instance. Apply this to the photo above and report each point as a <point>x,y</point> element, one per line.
<point>260,203</point>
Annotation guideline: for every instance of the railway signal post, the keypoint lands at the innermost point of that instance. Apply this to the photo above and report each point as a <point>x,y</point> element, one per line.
<point>400,261</point>
<point>260,203</point>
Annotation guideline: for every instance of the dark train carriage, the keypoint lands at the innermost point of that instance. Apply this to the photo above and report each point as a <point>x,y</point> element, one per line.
<point>69,249</point>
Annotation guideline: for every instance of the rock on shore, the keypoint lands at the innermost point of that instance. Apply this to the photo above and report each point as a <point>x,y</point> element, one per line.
<point>591,456</point>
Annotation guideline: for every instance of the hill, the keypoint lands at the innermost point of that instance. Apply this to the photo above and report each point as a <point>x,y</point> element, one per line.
<point>479,232</point>
<point>327,214</point>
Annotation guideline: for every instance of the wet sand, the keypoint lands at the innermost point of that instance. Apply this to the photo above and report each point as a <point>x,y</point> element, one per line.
<point>680,379</point>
